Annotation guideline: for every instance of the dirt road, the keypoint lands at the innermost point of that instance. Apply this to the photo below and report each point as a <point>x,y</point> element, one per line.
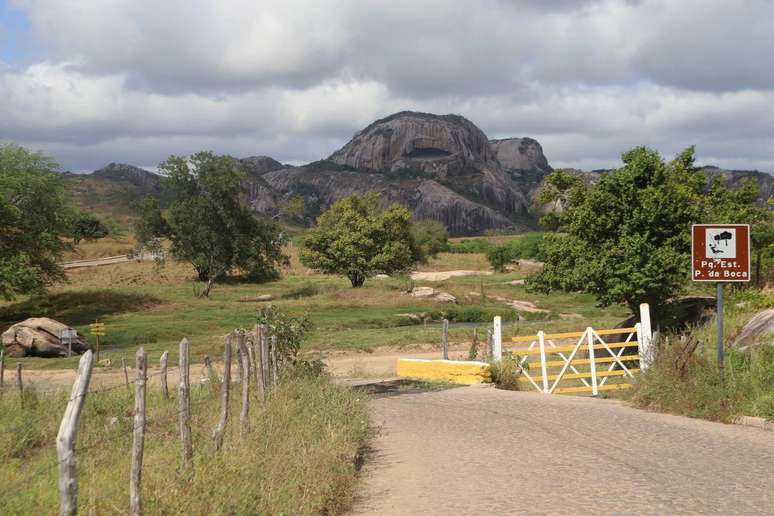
<point>478,450</point>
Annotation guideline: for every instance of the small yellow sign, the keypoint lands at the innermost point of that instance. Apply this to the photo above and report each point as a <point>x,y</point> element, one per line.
<point>97,329</point>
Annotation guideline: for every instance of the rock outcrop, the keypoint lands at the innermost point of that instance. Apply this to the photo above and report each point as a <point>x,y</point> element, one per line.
<point>758,331</point>
<point>136,176</point>
<point>522,154</point>
<point>259,165</point>
<point>39,337</point>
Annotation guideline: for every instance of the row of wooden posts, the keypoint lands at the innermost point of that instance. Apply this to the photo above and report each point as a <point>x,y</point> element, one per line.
<point>257,367</point>
<point>445,340</point>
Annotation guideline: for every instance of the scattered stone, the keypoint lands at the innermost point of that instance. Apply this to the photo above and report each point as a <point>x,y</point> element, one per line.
<point>263,297</point>
<point>758,331</point>
<point>39,337</point>
<point>516,282</point>
<point>570,316</point>
<point>422,292</point>
<point>445,297</point>
<point>445,275</point>
<point>382,276</point>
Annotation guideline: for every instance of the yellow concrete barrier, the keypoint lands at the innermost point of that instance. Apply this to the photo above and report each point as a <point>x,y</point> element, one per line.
<point>465,373</point>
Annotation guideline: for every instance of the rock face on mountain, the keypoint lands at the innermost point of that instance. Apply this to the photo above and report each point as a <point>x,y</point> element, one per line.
<point>734,178</point>
<point>259,165</point>
<point>524,154</point>
<point>439,166</point>
<point>129,173</point>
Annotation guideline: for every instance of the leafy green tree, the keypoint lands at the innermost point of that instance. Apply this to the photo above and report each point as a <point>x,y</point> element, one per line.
<point>206,224</point>
<point>626,239</point>
<point>293,208</point>
<point>500,256</point>
<point>358,239</point>
<point>430,237</point>
<point>88,227</point>
<point>35,219</point>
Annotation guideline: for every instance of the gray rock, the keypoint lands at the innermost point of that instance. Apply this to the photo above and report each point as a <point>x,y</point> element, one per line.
<point>39,337</point>
<point>758,331</point>
<point>264,297</point>
<point>524,154</point>
<point>445,297</point>
<point>422,292</point>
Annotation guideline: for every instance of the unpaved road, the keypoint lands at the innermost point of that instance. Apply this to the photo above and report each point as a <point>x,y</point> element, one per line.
<point>478,450</point>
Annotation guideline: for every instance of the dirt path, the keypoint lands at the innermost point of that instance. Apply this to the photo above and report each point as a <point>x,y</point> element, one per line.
<point>478,450</point>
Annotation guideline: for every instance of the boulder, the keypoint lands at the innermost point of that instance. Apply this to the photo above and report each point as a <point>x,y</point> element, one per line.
<point>422,292</point>
<point>263,297</point>
<point>758,331</point>
<point>445,297</point>
<point>40,337</point>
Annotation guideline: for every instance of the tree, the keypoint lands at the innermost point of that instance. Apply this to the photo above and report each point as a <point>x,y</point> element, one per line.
<point>626,239</point>
<point>88,227</point>
<point>35,219</point>
<point>358,239</point>
<point>430,237</point>
<point>206,224</point>
<point>500,256</point>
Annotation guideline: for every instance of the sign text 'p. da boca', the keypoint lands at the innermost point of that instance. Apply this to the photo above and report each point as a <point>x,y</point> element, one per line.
<point>720,252</point>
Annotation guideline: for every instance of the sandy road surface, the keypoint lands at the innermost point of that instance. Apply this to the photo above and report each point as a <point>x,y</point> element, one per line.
<point>478,450</point>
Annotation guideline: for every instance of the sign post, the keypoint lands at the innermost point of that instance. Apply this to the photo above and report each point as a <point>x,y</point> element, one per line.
<point>67,338</point>
<point>97,329</point>
<point>720,253</point>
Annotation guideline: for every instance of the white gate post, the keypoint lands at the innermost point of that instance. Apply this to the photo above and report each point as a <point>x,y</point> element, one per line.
<point>592,361</point>
<point>543,368</point>
<point>497,351</point>
<point>646,339</point>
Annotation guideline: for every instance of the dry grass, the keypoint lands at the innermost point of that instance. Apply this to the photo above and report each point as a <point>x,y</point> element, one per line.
<point>297,458</point>
<point>108,246</point>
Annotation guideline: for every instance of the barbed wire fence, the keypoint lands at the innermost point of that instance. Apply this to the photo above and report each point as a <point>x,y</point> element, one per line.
<point>256,369</point>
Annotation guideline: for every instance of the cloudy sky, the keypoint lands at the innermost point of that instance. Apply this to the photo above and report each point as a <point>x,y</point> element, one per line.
<point>94,81</point>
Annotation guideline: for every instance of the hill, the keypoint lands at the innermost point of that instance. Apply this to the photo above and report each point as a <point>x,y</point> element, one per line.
<point>441,167</point>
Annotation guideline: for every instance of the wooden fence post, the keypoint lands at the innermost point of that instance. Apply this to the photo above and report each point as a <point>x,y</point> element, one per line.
<point>274,367</point>
<point>243,415</point>
<point>265,359</point>
<point>210,372</point>
<point>259,363</point>
<point>217,434</point>
<point>489,344</point>
<point>497,339</point>
<point>138,441</point>
<point>239,363</point>
<point>19,382</point>
<point>126,375</point>
<point>2,368</point>
<point>445,339</point>
<point>252,361</point>
<point>68,432</point>
<point>163,374</point>
<point>184,398</point>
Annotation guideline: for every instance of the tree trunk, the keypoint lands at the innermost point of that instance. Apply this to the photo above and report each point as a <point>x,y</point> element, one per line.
<point>758,282</point>
<point>207,287</point>
<point>202,273</point>
<point>356,279</point>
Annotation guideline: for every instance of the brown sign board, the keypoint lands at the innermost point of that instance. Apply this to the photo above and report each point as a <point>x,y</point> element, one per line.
<point>720,252</point>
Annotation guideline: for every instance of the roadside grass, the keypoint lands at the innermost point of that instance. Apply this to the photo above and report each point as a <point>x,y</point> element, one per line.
<point>299,456</point>
<point>691,384</point>
<point>142,305</point>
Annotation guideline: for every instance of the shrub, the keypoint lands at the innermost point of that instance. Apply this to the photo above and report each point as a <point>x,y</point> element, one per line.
<point>500,256</point>
<point>506,372</point>
<point>289,331</point>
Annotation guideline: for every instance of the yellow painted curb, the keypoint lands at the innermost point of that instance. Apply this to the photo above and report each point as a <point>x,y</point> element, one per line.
<point>465,373</point>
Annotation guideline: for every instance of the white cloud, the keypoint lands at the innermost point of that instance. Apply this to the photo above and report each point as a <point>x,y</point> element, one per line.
<point>136,80</point>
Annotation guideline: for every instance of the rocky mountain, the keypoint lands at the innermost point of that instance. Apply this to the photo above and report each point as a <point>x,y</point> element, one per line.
<point>438,166</point>
<point>139,177</point>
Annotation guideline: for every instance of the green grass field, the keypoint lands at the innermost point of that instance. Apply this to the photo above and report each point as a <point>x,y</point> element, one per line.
<point>141,305</point>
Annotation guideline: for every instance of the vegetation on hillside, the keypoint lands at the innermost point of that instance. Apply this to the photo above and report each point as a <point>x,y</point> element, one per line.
<point>36,222</point>
<point>357,238</point>
<point>626,238</point>
<point>206,224</point>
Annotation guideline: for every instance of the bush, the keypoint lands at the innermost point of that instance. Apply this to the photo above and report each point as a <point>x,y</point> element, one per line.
<point>501,256</point>
<point>477,313</point>
<point>693,386</point>
<point>289,330</point>
<point>506,372</point>
<point>478,245</point>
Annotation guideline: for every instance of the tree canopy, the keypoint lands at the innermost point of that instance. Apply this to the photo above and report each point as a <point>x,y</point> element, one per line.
<point>626,239</point>
<point>35,218</point>
<point>207,225</point>
<point>357,238</point>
